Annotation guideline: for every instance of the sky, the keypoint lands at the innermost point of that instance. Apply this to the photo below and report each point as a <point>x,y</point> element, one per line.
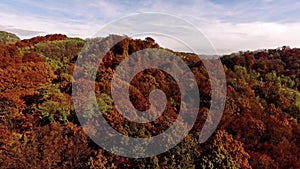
<point>230,25</point>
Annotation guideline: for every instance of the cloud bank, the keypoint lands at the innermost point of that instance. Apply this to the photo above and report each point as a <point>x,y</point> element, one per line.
<point>231,26</point>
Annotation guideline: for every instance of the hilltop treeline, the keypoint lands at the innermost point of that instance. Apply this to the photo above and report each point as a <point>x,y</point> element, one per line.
<point>39,127</point>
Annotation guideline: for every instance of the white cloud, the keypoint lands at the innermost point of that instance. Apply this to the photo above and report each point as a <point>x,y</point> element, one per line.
<point>228,37</point>
<point>33,26</point>
<point>240,27</point>
<point>106,9</point>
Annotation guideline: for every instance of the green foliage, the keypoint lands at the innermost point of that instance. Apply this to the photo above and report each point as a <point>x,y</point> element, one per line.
<point>234,84</point>
<point>272,77</point>
<point>53,106</point>
<point>295,106</point>
<point>241,71</point>
<point>24,50</point>
<point>254,75</point>
<point>8,38</point>
<point>224,152</point>
<point>183,155</point>
<point>54,64</point>
<point>155,163</point>
<point>59,53</point>
<point>104,102</point>
<point>287,81</point>
<point>297,100</point>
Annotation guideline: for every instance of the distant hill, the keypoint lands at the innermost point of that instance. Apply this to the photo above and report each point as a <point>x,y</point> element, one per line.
<point>8,38</point>
<point>39,128</point>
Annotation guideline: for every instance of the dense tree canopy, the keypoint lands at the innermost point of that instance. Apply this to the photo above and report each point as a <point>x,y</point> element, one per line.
<point>39,128</point>
<point>8,38</point>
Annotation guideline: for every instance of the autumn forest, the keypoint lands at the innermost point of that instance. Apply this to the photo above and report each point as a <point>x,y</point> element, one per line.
<point>39,127</point>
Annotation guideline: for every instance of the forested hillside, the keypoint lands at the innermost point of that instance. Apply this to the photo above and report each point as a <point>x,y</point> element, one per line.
<point>39,127</point>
